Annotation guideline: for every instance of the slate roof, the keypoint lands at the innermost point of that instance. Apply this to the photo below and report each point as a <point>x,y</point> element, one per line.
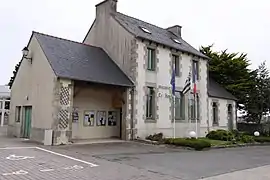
<point>158,34</point>
<point>78,61</point>
<point>216,90</point>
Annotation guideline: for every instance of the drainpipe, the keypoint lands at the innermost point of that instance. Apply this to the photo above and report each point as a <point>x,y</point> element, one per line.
<point>132,114</point>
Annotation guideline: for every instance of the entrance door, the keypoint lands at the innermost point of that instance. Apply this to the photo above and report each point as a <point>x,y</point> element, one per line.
<point>27,121</point>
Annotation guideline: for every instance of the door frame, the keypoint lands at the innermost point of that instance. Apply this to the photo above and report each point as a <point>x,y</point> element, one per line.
<point>26,133</point>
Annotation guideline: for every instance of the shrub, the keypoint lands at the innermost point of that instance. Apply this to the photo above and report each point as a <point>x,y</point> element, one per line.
<point>155,137</point>
<point>220,134</point>
<point>247,139</point>
<point>197,144</point>
<point>235,132</point>
<point>262,139</point>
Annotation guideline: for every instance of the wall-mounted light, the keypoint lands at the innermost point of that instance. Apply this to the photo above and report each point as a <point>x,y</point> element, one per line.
<point>25,52</point>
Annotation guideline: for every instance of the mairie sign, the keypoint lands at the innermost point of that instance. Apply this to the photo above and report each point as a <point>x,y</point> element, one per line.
<point>164,94</point>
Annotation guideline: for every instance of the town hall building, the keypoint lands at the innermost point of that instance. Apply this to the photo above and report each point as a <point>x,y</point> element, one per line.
<point>114,84</point>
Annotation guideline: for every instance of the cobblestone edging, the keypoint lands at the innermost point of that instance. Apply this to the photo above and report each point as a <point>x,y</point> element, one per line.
<point>145,141</point>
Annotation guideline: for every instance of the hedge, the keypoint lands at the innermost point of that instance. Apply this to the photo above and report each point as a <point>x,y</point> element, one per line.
<point>197,144</point>
<point>262,139</point>
<point>220,134</point>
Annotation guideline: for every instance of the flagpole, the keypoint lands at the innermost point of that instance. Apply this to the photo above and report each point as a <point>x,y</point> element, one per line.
<point>196,120</point>
<point>174,116</point>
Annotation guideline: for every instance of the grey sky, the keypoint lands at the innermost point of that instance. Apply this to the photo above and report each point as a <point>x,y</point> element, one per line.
<point>239,26</point>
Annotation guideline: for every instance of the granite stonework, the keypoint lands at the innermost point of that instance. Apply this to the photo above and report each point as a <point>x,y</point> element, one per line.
<point>63,104</point>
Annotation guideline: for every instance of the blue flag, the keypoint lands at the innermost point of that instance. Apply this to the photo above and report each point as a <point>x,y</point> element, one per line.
<point>173,81</point>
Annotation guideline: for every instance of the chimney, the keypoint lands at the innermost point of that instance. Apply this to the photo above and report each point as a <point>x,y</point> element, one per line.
<point>175,30</point>
<point>107,6</point>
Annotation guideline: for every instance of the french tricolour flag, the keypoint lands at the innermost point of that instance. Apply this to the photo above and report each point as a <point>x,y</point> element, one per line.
<point>194,78</point>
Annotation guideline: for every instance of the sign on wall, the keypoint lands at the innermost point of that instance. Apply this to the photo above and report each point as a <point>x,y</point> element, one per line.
<point>75,115</point>
<point>112,118</point>
<point>89,118</point>
<point>162,94</point>
<point>101,118</point>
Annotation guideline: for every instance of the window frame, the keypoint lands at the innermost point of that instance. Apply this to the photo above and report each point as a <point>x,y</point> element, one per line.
<point>196,62</point>
<point>151,59</point>
<point>150,103</point>
<point>215,114</point>
<point>18,112</point>
<point>194,112</point>
<point>180,107</point>
<point>176,64</point>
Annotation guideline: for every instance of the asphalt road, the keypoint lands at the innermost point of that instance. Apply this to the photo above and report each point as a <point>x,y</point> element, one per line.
<point>130,161</point>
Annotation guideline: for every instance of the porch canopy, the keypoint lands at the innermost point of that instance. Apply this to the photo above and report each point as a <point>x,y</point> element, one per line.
<point>78,61</point>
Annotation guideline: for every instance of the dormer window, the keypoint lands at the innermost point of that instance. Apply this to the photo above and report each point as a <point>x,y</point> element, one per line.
<point>145,30</point>
<point>176,41</point>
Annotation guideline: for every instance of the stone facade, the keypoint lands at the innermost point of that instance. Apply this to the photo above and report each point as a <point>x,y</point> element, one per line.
<point>63,104</point>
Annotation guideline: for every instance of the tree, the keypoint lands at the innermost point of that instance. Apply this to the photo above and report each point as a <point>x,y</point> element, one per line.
<point>250,87</point>
<point>231,71</point>
<point>258,103</point>
<point>14,74</point>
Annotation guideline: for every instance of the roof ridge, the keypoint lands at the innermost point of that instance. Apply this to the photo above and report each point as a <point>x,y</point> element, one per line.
<point>56,37</point>
<point>142,21</point>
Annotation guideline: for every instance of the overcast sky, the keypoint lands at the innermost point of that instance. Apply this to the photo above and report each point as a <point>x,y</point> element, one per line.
<point>236,25</point>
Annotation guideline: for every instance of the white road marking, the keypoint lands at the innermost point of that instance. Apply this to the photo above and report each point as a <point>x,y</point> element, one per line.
<point>13,157</point>
<point>20,172</point>
<point>46,170</point>
<point>68,157</point>
<point>74,167</point>
<point>10,148</point>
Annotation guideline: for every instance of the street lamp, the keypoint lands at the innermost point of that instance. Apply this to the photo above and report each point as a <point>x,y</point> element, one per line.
<point>192,134</point>
<point>25,52</point>
<point>256,133</point>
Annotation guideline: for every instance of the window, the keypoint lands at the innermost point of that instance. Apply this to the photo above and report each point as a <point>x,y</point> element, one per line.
<point>18,114</point>
<point>7,105</point>
<point>176,65</point>
<point>179,106</point>
<point>177,41</point>
<point>151,59</point>
<point>195,67</point>
<point>145,30</point>
<point>150,102</point>
<point>195,108</point>
<point>215,113</point>
<point>192,109</point>
<point>230,116</point>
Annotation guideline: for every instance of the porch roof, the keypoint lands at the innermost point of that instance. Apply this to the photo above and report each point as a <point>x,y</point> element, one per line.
<point>77,61</point>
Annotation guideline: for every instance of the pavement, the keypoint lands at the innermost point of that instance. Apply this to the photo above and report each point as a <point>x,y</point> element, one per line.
<point>21,160</point>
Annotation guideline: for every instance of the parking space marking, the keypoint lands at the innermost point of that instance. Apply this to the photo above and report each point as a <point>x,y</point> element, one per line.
<point>35,161</point>
<point>68,157</point>
<point>10,148</point>
<point>20,172</point>
<point>46,170</point>
<point>13,157</point>
<point>51,152</point>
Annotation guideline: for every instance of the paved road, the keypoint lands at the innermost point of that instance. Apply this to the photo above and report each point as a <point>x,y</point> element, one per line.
<point>131,161</point>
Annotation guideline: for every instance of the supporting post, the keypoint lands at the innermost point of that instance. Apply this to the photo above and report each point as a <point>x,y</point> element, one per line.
<point>174,116</point>
<point>2,113</point>
<point>195,115</point>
